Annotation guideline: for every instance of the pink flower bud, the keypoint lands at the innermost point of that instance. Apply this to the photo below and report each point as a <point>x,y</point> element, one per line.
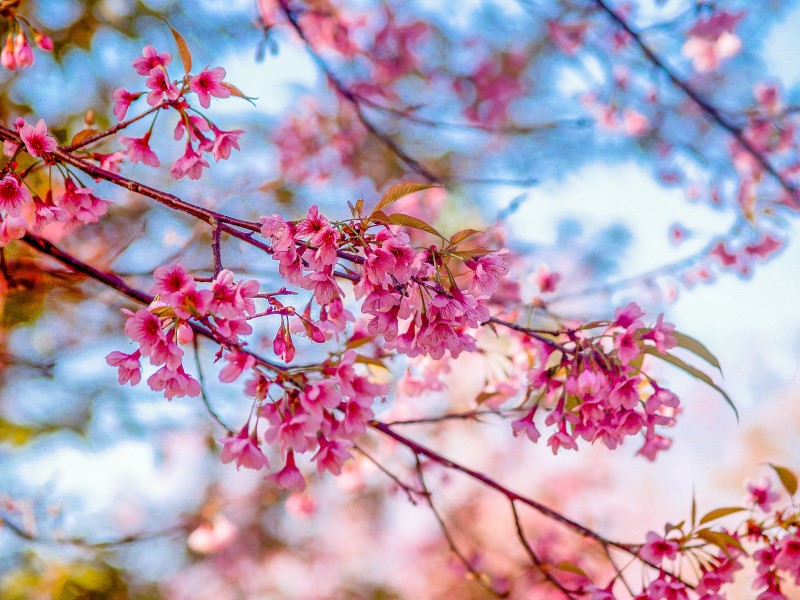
<point>7,55</point>
<point>185,333</point>
<point>45,42</point>
<point>23,53</point>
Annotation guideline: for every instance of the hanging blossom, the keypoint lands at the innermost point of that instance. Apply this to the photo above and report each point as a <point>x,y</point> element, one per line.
<point>202,136</point>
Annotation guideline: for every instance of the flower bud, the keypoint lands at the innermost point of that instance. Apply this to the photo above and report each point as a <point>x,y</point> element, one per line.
<point>45,42</point>
<point>7,55</point>
<point>23,53</point>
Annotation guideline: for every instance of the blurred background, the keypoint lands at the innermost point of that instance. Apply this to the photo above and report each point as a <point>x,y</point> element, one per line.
<point>548,130</point>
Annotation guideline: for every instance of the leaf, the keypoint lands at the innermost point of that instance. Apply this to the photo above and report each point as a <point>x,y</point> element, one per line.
<point>368,360</point>
<point>460,236</point>
<point>697,348</point>
<point>720,539</point>
<point>409,221</point>
<point>358,342</point>
<point>83,134</point>
<point>694,372</point>
<point>694,509</point>
<point>469,250</point>
<point>398,191</point>
<point>235,91</point>
<point>787,477</point>
<point>183,48</point>
<point>718,513</point>
<point>570,568</point>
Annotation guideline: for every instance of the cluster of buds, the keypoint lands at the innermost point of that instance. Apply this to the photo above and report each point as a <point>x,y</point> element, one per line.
<point>17,52</point>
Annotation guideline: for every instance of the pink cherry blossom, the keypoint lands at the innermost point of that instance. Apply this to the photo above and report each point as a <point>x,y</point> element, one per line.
<point>762,495</point>
<point>122,101</point>
<point>36,139</point>
<point>130,370</point>
<point>238,362</point>
<point>224,142</point>
<point>174,383</point>
<point>656,548</point>
<point>151,59</point>
<point>243,449</point>
<point>13,195</point>
<point>289,478</point>
<point>332,455</point>
<point>160,86</point>
<point>209,83</point>
<point>139,150</point>
<point>190,164</point>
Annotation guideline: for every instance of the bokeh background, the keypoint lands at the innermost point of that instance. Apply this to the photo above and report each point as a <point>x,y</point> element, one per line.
<point>84,461</point>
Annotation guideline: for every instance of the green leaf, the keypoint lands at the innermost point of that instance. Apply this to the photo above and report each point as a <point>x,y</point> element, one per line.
<point>720,539</point>
<point>697,348</point>
<point>787,477</point>
<point>409,221</point>
<point>183,48</point>
<point>400,190</point>
<point>694,372</point>
<point>718,513</point>
<point>694,509</point>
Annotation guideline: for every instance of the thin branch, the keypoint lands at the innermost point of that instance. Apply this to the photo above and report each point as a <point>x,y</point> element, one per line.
<point>353,100</point>
<point>115,128</point>
<point>407,489</point>
<point>482,579</point>
<point>543,568</point>
<point>711,111</point>
<point>216,247</point>
<point>22,533</point>
<point>203,394</point>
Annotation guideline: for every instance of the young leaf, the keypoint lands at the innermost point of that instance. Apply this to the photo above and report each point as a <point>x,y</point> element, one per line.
<point>720,539</point>
<point>82,135</point>
<point>368,360</point>
<point>570,568</point>
<point>460,236</point>
<point>237,92</point>
<point>398,191</point>
<point>718,513</point>
<point>409,221</point>
<point>183,48</point>
<point>787,477</point>
<point>694,372</point>
<point>697,348</point>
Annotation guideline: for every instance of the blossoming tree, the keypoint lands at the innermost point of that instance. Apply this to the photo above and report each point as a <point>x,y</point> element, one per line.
<point>305,297</point>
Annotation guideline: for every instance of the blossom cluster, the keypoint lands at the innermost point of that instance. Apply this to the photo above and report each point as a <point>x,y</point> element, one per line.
<point>22,210</point>
<point>165,325</point>
<point>768,538</point>
<point>320,418</point>
<point>595,389</point>
<point>202,135</point>
<point>409,294</point>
